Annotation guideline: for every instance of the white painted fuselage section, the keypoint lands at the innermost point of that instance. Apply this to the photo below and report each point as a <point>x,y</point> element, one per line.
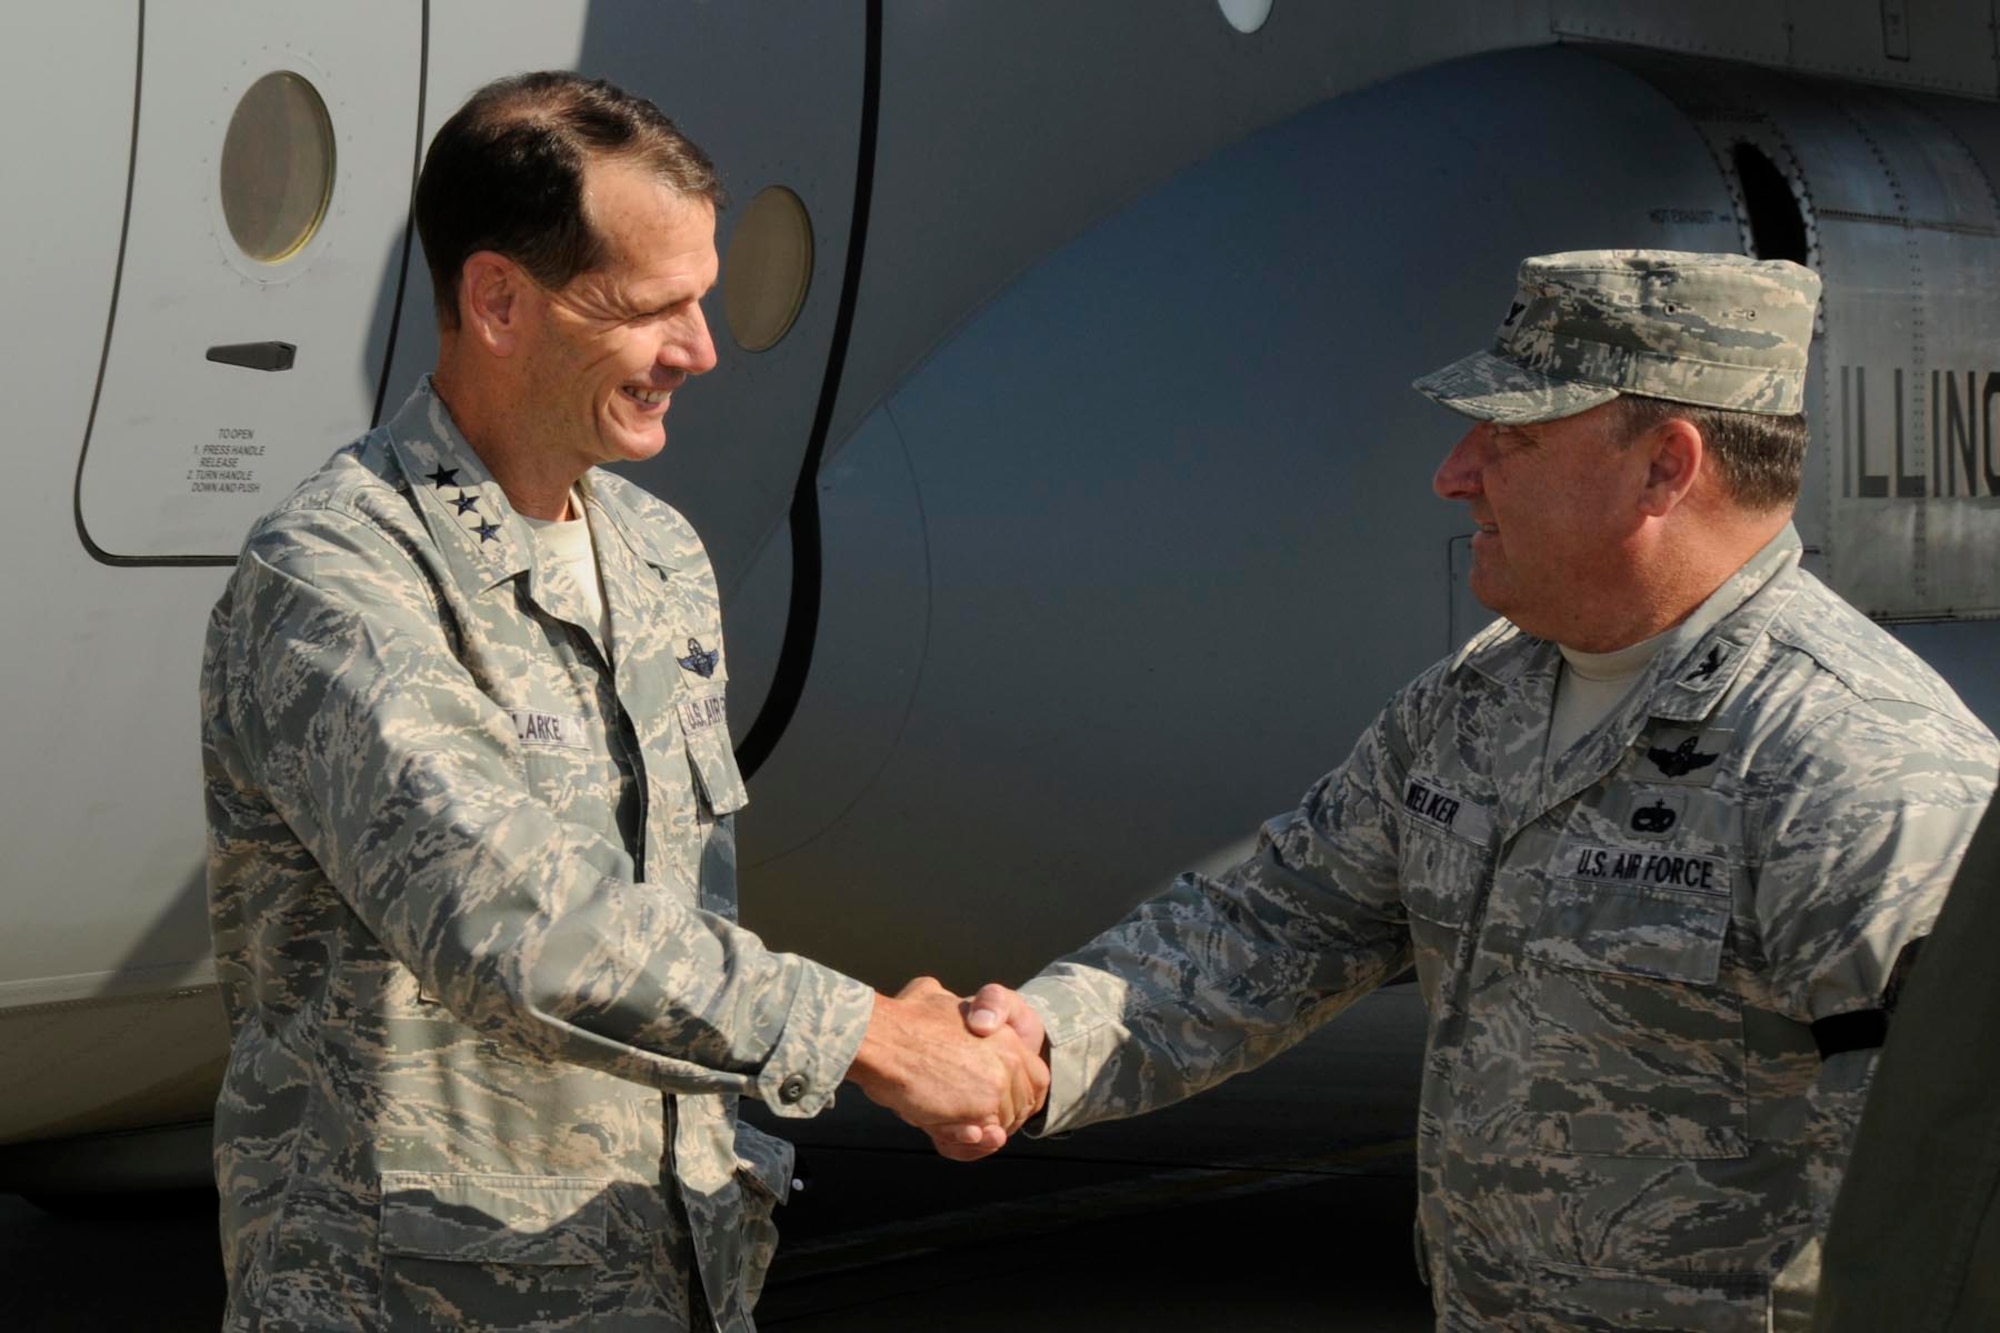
<point>1125,519</point>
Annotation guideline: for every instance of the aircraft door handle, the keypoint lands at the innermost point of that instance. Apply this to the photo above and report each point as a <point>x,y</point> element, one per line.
<point>255,356</point>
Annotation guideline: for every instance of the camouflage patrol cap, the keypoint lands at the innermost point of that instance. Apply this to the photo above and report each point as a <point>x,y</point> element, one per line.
<point>1712,330</point>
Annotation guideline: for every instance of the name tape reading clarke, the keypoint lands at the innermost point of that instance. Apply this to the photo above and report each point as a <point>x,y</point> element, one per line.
<point>552,731</point>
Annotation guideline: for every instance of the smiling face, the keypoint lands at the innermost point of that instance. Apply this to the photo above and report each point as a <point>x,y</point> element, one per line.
<point>608,350</point>
<point>1556,509</point>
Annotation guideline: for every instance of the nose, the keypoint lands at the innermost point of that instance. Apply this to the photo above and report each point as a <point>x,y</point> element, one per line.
<point>1457,477</point>
<point>694,350</point>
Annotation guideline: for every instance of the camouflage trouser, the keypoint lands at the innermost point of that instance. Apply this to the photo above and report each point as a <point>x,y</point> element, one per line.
<point>1560,1298</point>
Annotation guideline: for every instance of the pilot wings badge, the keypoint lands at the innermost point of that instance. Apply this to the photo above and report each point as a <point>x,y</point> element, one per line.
<point>1682,760</point>
<point>1682,756</point>
<point>700,660</point>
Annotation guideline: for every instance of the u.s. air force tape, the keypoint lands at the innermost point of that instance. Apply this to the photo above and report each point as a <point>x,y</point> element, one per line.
<point>1643,867</point>
<point>699,715</point>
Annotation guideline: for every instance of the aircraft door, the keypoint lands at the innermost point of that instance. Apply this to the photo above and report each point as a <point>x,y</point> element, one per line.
<point>1890,196</point>
<point>265,228</point>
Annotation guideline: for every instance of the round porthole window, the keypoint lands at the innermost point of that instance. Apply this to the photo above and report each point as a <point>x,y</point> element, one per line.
<point>769,267</point>
<point>1246,16</point>
<point>277,167</point>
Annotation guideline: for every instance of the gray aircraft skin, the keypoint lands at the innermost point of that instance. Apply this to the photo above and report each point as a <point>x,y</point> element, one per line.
<point>1079,519</point>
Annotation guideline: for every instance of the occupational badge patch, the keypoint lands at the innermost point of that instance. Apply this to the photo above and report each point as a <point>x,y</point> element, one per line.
<point>700,660</point>
<point>1679,755</point>
<point>1656,814</point>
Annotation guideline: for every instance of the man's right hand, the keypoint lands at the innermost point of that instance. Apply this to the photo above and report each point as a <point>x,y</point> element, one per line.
<point>967,1092</point>
<point>997,1007</point>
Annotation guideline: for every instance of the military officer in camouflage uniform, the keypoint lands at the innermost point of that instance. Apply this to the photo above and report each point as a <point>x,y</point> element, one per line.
<point>469,785</point>
<point>1654,841</point>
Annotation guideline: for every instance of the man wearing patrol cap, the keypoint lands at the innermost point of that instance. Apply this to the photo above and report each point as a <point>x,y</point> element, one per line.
<point>1654,841</point>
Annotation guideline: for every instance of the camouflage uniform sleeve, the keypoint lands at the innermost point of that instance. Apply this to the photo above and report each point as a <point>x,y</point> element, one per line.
<point>1868,819</point>
<point>1217,975</point>
<point>398,774</point>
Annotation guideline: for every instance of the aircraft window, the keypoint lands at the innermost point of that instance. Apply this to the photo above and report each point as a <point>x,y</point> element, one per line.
<point>1777,226</point>
<point>1246,16</point>
<point>277,167</point>
<point>769,267</point>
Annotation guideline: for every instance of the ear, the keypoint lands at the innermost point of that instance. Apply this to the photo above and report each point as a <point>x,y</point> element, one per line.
<point>1674,453</point>
<point>493,302</point>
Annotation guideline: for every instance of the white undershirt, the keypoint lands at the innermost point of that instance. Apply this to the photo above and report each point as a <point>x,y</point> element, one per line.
<point>1590,687</point>
<point>567,542</point>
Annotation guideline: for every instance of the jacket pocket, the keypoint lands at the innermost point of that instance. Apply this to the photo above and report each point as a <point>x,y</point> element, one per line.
<point>719,793</point>
<point>1674,937</point>
<point>1635,1050</point>
<point>1443,877</point>
<point>705,727</point>
<point>491,1252</point>
<point>764,1171</point>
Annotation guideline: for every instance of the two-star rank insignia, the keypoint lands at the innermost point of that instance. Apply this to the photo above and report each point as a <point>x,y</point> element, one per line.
<point>699,660</point>
<point>443,477</point>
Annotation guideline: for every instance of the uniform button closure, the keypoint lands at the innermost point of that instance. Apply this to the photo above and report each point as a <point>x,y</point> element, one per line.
<point>792,1089</point>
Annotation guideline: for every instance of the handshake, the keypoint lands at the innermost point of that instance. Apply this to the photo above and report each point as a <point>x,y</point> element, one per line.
<point>966,1072</point>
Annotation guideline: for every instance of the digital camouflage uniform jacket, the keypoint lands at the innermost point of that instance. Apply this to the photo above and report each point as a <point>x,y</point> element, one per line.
<point>473,898</point>
<point>1625,1121</point>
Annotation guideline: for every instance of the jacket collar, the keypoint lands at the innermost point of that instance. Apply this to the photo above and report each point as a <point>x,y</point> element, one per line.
<point>614,519</point>
<point>1702,658</point>
<point>1689,676</point>
<point>1505,655</point>
<point>486,544</point>
<point>468,516</point>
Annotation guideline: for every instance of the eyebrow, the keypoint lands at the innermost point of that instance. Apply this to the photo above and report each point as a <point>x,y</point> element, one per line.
<point>652,305</point>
